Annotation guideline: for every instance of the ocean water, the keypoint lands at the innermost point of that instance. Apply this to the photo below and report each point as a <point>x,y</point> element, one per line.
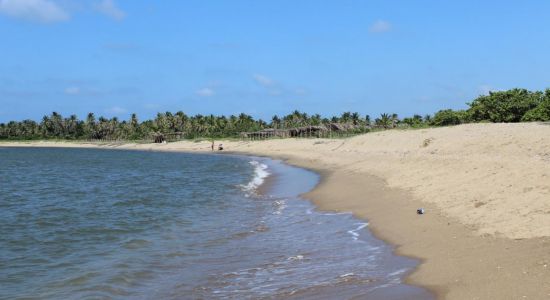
<point>108,224</point>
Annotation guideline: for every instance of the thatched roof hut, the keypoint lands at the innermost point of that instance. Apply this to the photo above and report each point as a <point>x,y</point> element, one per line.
<point>266,133</point>
<point>304,131</point>
<point>307,131</point>
<point>159,137</point>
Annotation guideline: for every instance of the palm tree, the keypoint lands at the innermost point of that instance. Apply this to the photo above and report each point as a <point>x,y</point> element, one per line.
<point>384,121</point>
<point>316,120</point>
<point>181,120</point>
<point>90,126</point>
<point>346,117</point>
<point>57,125</point>
<point>355,118</point>
<point>275,121</point>
<point>72,126</point>
<point>394,120</point>
<point>46,125</point>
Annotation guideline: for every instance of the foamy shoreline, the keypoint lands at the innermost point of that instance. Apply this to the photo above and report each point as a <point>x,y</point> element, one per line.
<point>485,187</point>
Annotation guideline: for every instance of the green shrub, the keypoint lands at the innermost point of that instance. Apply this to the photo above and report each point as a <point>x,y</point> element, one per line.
<point>448,117</point>
<point>541,112</point>
<point>504,106</point>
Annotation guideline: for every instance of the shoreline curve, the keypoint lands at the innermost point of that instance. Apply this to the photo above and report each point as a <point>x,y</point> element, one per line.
<point>486,231</point>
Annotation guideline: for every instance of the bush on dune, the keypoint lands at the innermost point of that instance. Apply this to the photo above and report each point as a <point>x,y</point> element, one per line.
<point>504,106</point>
<point>541,112</point>
<point>515,105</point>
<point>449,117</point>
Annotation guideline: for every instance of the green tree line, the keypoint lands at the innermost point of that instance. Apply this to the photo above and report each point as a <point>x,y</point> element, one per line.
<point>516,105</point>
<point>55,126</point>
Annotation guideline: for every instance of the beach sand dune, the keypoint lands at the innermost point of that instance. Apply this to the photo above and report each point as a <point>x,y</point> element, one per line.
<point>485,188</point>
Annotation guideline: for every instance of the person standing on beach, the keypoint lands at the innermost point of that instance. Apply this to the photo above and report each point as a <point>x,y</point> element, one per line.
<point>212,145</point>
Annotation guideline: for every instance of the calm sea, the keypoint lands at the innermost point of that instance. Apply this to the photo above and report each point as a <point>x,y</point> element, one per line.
<point>108,224</point>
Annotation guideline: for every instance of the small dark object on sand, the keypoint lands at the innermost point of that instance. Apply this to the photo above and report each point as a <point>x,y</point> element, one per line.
<point>420,211</point>
<point>220,147</point>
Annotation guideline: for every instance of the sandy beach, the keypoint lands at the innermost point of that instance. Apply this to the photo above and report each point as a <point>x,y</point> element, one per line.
<point>485,189</point>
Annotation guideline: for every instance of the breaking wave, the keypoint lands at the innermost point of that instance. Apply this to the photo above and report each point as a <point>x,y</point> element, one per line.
<point>355,232</point>
<point>260,173</point>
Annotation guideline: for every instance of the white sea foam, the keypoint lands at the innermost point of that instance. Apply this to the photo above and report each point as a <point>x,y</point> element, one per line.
<point>279,206</point>
<point>354,233</point>
<point>395,277</point>
<point>336,213</point>
<point>397,273</point>
<point>297,257</point>
<point>311,210</point>
<point>260,173</point>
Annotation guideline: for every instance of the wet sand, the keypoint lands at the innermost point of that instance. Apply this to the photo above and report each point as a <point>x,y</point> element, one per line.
<point>286,181</point>
<point>485,189</point>
<point>457,264</point>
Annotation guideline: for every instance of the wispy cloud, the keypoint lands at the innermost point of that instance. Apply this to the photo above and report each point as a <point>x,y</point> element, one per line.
<point>42,11</point>
<point>116,110</point>
<point>380,26</point>
<point>270,85</point>
<point>263,80</point>
<point>73,90</point>
<point>205,92</point>
<point>275,88</point>
<point>110,9</point>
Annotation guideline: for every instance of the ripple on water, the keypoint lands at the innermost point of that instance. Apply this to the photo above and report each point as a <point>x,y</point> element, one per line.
<point>147,225</point>
<point>136,244</point>
<point>133,202</point>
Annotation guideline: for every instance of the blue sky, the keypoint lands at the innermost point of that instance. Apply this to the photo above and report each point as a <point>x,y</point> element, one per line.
<point>115,57</point>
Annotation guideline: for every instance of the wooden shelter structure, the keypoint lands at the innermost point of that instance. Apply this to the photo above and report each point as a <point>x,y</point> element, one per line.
<point>159,137</point>
<point>304,131</point>
<point>266,133</point>
<point>308,131</point>
<point>329,130</point>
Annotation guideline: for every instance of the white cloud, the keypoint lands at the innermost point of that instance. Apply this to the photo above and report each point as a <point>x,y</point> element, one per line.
<point>380,26</point>
<point>43,11</point>
<point>73,90</point>
<point>263,80</point>
<point>275,88</point>
<point>110,9</point>
<point>205,92</point>
<point>116,110</point>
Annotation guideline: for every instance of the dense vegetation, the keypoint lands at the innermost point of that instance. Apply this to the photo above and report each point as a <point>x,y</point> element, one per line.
<point>517,105</point>
<point>56,126</point>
